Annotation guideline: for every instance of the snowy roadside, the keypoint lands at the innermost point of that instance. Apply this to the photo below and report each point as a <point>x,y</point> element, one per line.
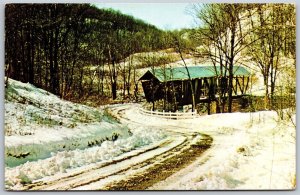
<point>250,151</point>
<point>47,136</point>
<point>66,161</point>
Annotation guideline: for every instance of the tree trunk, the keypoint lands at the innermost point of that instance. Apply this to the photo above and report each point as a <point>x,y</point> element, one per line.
<point>114,81</point>
<point>190,81</point>
<point>231,61</point>
<point>266,101</point>
<point>51,66</point>
<point>114,90</point>
<point>129,76</point>
<point>230,88</point>
<point>135,85</point>
<point>208,107</point>
<point>30,56</point>
<point>55,83</point>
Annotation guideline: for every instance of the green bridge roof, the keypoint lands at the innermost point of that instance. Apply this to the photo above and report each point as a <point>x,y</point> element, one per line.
<point>180,73</point>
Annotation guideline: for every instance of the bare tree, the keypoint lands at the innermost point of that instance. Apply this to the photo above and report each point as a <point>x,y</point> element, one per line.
<point>222,32</point>
<point>179,48</point>
<point>276,36</point>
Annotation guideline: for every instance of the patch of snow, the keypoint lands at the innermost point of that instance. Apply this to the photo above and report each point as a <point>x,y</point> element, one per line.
<point>65,161</point>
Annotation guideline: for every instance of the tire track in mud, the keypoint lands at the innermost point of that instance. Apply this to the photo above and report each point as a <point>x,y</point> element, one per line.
<point>40,185</point>
<point>162,169</point>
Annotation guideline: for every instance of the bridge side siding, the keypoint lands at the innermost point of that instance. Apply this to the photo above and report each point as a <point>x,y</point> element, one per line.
<point>180,90</point>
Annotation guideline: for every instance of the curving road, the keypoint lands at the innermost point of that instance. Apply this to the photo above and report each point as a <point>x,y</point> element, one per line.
<point>138,169</point>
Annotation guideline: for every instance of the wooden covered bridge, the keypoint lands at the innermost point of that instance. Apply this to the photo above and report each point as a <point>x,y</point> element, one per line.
<point>175,84</point>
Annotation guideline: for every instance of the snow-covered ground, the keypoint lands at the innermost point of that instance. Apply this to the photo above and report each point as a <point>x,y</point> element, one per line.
<point>45,135</point>
<point>249,151</point>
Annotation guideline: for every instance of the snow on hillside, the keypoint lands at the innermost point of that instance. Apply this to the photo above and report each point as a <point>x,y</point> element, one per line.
<point>28,109</point>
<point>41,123</point>
<point>45,135</point>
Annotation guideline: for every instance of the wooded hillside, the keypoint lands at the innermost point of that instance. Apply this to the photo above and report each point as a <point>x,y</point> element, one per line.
<point>53,45</point>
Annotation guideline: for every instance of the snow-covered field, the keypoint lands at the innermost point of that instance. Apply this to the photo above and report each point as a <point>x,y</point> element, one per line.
<point>250,151</point>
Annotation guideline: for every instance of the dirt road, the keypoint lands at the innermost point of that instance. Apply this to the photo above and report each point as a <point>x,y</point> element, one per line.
<point>138,169</point>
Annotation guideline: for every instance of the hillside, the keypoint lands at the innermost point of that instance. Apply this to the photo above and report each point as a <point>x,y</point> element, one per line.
<point>84,36</point>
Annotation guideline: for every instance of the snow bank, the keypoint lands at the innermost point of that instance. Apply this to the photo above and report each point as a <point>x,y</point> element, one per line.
<point>89,135</point>
<point>38,123</point>
<point>263,157</point>
<point>27,108</point>
<point>66,160</point>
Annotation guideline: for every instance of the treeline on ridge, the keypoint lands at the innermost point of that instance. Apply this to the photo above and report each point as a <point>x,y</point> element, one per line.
<point>53,45</point>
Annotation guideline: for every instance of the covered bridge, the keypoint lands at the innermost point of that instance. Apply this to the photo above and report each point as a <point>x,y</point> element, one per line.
<point>174,84</point>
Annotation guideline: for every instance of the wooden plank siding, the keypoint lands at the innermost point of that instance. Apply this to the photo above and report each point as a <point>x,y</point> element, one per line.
<point>180,91</point>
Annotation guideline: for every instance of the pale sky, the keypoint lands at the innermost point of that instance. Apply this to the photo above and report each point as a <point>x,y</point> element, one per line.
<point>166,16</point>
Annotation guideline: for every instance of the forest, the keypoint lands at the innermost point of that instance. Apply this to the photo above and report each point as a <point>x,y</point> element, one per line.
<point>53,45</point>
<point>78,51</point>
